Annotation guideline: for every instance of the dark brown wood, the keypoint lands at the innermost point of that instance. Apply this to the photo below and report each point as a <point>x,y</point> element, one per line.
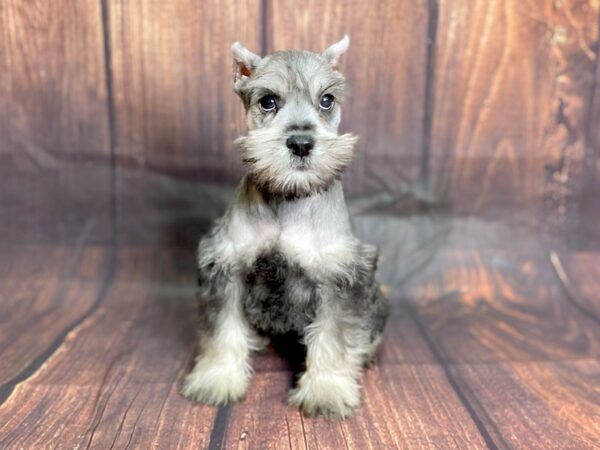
<point>513,85</point>
<point>405,406</point>
<point>44,292</point>
<point>385,67</point>
<point>518,349</point>
<point>539,405</point>
<point>115,378</point>
<point>114,381</point>
<point>490,306</point>
<point>175,109</point>
<point>53,121</point>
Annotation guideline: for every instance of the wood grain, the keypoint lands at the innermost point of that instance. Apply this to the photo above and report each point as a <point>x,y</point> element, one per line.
<point>404,406</point>
<point>115,379</point>
<point>482,306</point>
<point>53,121</point>
<point>539,405</point>
<point>526,370</point>
<point>44,291</point>
<point>513,83</point>
<point>176,113</point>
<point>520,353</point>
<point>385,67</point>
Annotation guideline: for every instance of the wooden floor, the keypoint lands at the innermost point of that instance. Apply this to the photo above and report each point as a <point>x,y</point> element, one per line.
<point>487,347</point>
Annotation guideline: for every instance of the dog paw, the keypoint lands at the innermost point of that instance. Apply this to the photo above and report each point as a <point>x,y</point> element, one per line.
<point>331,396</point>
<point>216,384</point>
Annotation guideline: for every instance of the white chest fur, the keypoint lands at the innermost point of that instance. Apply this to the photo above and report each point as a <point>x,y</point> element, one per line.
<point>314,231</point>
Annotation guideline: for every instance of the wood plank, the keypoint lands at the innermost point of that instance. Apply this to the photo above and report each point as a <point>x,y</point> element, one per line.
<point>539,405</point>
<point>385,67</point>
<point>176,112</point>
<point>405,406</point>
<point>488,306</point>
<point>513,84</point>
<point>53,121</point>
<point>523,357</point>
<point>44,291</point>
<point>114,381</point>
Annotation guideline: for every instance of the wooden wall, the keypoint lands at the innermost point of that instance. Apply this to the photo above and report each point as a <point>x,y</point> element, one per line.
<point>113,113</point>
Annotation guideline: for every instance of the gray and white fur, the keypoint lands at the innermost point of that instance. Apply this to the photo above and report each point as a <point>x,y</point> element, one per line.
<point>283,259</point>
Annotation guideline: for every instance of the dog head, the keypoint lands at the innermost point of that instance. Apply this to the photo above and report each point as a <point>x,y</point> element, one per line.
<point>293,107</point>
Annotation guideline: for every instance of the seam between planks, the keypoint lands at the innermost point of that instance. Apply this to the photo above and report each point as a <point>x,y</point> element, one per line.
<point>429,94</point>
<point>219,429</point>
<point>7,389</point>
<point>112,124</point>
<point>221,422</point>
<point>459,388</point>
<point>264,33</point>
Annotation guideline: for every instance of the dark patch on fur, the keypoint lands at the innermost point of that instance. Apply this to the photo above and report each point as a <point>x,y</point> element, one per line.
<point>361,295</point>
<point>212,281</point>
<point>280,297</point>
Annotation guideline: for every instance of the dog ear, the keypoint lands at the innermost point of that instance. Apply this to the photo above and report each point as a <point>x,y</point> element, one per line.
<point>333,53</point>
<point>245,61</point>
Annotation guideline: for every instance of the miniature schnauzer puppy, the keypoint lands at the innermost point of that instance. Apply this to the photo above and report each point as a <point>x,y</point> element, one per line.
<point>283,258</point>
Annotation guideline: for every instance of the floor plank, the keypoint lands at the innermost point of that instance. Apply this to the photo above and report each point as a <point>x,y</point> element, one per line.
<point>489,306</point>
<point>522,370</point>
<point>44,291</point>
<point>115,379</point>
<point>523,357</point>
<point>539,405</point>
<point>404,406</point>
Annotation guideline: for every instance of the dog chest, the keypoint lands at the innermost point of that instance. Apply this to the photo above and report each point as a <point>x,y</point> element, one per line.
<point>279,295</point>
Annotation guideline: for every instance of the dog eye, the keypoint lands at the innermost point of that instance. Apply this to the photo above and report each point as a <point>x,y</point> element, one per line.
<point>326,101</point>
<point>268,103</point>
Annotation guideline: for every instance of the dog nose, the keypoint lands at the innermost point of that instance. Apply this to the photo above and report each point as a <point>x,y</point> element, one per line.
<point>300,144</point>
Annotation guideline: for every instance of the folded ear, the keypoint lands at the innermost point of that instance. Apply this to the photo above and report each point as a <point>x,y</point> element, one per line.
<point>333,53</point>
<point>245,61</point>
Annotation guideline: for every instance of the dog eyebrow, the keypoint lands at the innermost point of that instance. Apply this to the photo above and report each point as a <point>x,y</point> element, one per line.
<point>260,92</point>
<point>337,87</point>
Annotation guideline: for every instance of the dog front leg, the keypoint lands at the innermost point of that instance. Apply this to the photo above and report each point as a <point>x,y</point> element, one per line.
<point>222,371</point>
<point>330,386</point>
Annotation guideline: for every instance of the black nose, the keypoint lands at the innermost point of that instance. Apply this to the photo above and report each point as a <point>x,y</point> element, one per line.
<point>300,144</point>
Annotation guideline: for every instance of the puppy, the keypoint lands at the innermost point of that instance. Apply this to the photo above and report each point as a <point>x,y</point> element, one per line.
<point>283,259</point>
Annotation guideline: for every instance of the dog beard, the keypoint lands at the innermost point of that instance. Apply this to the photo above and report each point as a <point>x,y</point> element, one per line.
<point>274,168</point>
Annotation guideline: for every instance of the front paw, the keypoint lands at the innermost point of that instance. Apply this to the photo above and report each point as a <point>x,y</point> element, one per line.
<point>330,395</point>
<point>216,383</point>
